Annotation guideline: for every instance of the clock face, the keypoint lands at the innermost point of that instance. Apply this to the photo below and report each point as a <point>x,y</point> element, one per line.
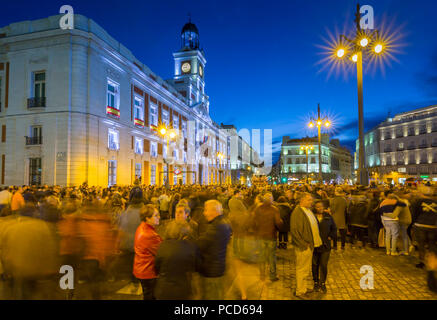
<point>201,71</point>
<point>186,67</point>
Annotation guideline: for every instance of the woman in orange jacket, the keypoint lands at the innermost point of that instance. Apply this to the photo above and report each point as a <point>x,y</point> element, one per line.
<point>147,242</point>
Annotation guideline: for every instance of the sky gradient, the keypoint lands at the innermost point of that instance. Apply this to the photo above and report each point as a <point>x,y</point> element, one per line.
<point>262,70</point>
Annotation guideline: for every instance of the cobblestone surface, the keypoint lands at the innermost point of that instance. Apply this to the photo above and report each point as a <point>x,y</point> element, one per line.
<point>395,278</point>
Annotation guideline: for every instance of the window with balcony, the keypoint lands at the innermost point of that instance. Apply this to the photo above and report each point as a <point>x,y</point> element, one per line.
<point>38,99</point>
<point>113,139</point>
<point>153,149</point>
<point>113,99</point>
<point>411,131</point>
<point>138,111</point>
<point>35,136</point>
<point>400,146</point>
<point>139,146</point>
<point>153,115</point>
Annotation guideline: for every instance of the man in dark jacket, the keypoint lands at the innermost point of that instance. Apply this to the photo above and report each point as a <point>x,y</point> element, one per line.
<point>267,222</point>
<point>213,248</point>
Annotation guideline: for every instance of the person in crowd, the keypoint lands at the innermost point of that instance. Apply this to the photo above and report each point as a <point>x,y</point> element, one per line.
<point>164,205</point>
<point>129,221</point>
<point>403,214</point>
<point>391,225</point>
<point>17,201</point>
<point>305,236</point>
<point>374,218</point>
<point>328,231</point>
<point>425,224</point>
<point>238,216</point>
<point>338,206</point>
<point>146,244</point>
<point>213,248</point>
<point>182,213</point>
<point>358,219</point>
<point>95,232</point>
<point>285,212</point>
<point>267,222</point>
<point>5,198</point>
<point>175,262</point>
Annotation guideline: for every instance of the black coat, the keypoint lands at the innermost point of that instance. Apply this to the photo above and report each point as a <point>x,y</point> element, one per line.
<point>175,262</point>
<point>358,214</point>
<point>327,230</point>
<point>285,213</point>
<point>213,246</point>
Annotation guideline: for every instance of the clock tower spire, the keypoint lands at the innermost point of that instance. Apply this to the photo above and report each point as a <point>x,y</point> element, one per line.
<point>189,67</point>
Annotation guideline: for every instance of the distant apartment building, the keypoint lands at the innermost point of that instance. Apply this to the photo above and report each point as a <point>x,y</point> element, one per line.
<point>402,147</point>
<point>337,161</point>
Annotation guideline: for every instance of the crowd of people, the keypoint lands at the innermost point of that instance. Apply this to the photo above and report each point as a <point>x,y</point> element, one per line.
<point>180,242</point>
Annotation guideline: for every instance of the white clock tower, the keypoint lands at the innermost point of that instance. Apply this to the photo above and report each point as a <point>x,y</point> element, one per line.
<point>189,68</point>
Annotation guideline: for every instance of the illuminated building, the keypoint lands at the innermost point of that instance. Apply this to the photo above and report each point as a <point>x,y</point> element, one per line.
<point>336,160</point>
<point>403,146</point>
<point>76,105</point>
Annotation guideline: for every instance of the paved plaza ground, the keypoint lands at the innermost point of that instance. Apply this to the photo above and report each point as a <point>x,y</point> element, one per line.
<point>395,278</point>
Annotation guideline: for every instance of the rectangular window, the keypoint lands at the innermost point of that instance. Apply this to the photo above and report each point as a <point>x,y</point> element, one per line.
<point>152,174</point>
<point>165,117</point>
<point>164,151</point>
<point>138,171</point>
<point>112,172</point>
<point>185,157</point>
<point>153,116</point>
<point>113,99</point>
<point>139,111</point>
<point>176,122</point>
<point>35,170</point>
<point>139,146</point>
<point>113,139</point>
<point>184,128</point>
<point>153,149</point>
<point>3,133</point>
<point>39,84</point>
<point>175,155</point>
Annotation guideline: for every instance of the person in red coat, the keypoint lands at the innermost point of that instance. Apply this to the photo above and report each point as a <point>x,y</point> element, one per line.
<point>147,242</point>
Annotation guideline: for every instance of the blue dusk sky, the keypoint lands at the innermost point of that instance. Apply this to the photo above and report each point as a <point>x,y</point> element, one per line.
<point>262,68</point>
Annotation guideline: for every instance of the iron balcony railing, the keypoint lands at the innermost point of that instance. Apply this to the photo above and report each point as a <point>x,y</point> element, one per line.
<point>39,102</point>
<point>30,141</point>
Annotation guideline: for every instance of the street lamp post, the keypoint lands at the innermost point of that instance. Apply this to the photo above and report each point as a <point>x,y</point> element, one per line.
<point>167,134</point>
<point>319,122</point>
<point>363,43</point>
<point>220,156</point>
<point>306,147</point>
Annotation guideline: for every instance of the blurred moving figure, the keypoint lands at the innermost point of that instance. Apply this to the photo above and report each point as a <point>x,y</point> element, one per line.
<point>213,248</point>
<point>98,241</point>
<point>182,213</point>
<point>30,255</point>
<point>267,222</point>
<point>147,242</point>
<point>176,261</point>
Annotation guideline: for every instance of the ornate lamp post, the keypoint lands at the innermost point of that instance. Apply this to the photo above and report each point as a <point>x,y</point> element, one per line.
<point>319,123</point>
<point>306,147</point>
